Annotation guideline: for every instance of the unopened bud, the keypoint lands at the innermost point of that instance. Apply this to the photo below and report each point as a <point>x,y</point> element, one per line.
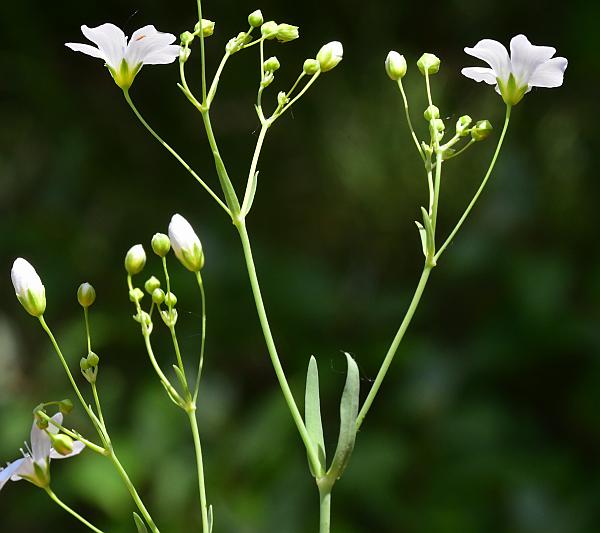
<point>65,406</point>
<point>151,284</point>
<point>170,299</point>
<point>161,244</point>
<point>28,287</point>
<point>311,66</point>
<point>272,64</point>
<point>135,260</point>
<point>86,295</point>
<point>93,359</point>
<point>255,19</point>
<point>481,130</point>
<point>187,38</point>
<point>286,33</point>
<point>158,296</point>
<point>330,55</point>
<point>186,244</point>
<point>431,113</point>
<point>184,53</point>
<point>462,125</point>
<point>135,295</point>
<point>269,29</point>
<point>62,443</point>
<point>208,28</point>
<point>395,66</point>
<point>282,99</point>
<point>428,63</point>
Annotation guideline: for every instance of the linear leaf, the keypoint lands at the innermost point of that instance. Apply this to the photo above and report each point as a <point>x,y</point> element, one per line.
<point>141,527</point>
<point>312,413</point>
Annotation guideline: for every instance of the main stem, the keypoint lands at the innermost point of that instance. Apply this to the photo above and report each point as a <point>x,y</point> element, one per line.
<point>64,506</point>
<point>200,467</point>
<point>394,346</point>
<point>264,322</point>
<point>324,511</point>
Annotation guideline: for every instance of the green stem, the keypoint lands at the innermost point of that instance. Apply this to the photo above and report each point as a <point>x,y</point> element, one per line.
<point>202,55</point>
<point>300,94</point>
<point>200,467</point>
<point>203,338</point>
<point>481,187</point>
<point>64,506</point>
<point>458,152</point>
<point>174,153</point>
<point>279,372</point>
<point>409,121</point>
<point>429,99</point>
<point>252,174</point>
<point>394,346</point>
<point>324,511</point>
<point>436,190</point>
<point>215,83</point>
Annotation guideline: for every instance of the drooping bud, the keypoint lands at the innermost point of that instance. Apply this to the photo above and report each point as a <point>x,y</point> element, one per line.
<point>208,28</point>
<point>28,287</point>
<point>151,285</point>
<point>186,38</point>
<point>330,55</point>
<point>269,29</point>
<point>395,66</point>
<point>161,244</point>
<point>272,64</point>
<point>481,130</point>
<point>86,295</point>
<point>286,33</point>
<point>255,19</point>
<point>158,296</point>
<point>65,406</point>
<point>186,244</point>
<point>431,113</point>
<point>311,66</point>
<point>429,63</point>
<point>135,260</point>
<point>62,443</point>
<point>462,125</point>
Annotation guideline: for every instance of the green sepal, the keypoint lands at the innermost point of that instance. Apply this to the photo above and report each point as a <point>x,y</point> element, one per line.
<point>141,527</point>
<point>348,414</point>
<point>249,196</point>
<point>312,415</point>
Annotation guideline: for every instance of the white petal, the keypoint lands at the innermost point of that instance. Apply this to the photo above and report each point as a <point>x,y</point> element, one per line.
<point>40,443</point>
<point>25,469</point>
<point>525,58</point>
<point>24,278</point>
<point>164,56</point>
<point>87,49</point>
<point>550,73</point>
<point>110,40</point>
<point>10,470</point>
<point>494,54</point>
<point>145,42</point>
<point>58,418</point>
<point>480,74</point>
<point>78,447</point>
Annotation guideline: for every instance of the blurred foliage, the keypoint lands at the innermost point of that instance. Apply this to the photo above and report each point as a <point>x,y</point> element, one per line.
<point>488,420</point>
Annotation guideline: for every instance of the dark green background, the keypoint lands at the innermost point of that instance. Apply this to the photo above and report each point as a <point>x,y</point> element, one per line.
<point>488,420</point>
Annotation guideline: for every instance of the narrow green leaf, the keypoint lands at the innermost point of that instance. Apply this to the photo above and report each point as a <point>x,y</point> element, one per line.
<point>249,196</point>
<point>312,414</point>
<point>348,414</point>
<point>423,235</point>
<point>428,232</point>
<point>228,190</point>
<point>210,519</point>
<point>141,527</point>
<point>180,377</point>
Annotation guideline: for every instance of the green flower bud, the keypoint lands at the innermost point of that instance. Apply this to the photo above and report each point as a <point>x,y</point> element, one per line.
<point>161,244</point>
<point>438,124</point>
<point>462,125</point>
<point>170,299</point>
<point>93,359</point>
<point>151,284</point>
<point>187,38</point>
<point>135,295</point>
<point>86,295</point>
<point>135,260</point>
<point>208,28</point>
<point>286,33</point>
<point>255,19</point>
<point>28,286</point>
<point>428,63</point>
<point>62,443</point>
<point>395,66</point>
<point>311,66</point>
<point>481,130</point>
<point>330,55</point>
<point>65,406</point>
<point>282,99</point>
<point>184,53</point>
<point>272,64</point>
<point>269,29</point>
<point>83,364</point>
<point>158,296</point>
<point>431,113</point>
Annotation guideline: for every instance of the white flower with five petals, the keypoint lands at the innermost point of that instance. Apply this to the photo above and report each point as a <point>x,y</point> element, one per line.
<point>124,59</point>
<point>528,66</point>
<point>34,466</point>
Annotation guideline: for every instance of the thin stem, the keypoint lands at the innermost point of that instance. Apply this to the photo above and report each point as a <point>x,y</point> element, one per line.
<point>409,121</point>
<point>64,506</point>
<point>324,511</point>
<point>279,372</point>
<point>481,187</point>
<point>252,173</point>
<point>394,346</point>
<point>202,55</point>
<point>200,467</point>
<point>299,95</point>
<point>87,329</point>
<point>215,83</point>
<point>98,407</point>
<point>289,93</point>
<point>174,153</point>
<point>203,338</point>
<point>436,189</point>
<point>468,145</point>
<point>429,99</point>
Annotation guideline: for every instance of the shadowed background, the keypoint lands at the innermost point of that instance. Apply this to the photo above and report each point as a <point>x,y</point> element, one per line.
<point>488,419</point>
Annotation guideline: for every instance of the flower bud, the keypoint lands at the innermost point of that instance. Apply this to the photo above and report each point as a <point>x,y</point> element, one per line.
<point>170,299</point>
<point>286,33</point>
<point>255,19</point>
<point>135,260</point>
<point>62,443</point>
<point>269,29</point>
<point>438,124</point>
<point>135,295</point>
<point>187,38</point>
<point>28,287</point>
<point>428,63</point>
<point>84,365</point>
<point>282,99</point>
<point>186,244</point>
<point>86,295</point>
<point>208,28</point>
<point>151,284</point>
<point>92,360</point>
<point>395,66</point>
<point>272,64</point>
<point>431,113</point>
<point>311,66</point>
<point>161,244</point>
<point>65,406</point>
<point>158,296</point>
<point>184,53</point>
<point>481,130</point>
<point>462,125</point>
<point>330,55</point>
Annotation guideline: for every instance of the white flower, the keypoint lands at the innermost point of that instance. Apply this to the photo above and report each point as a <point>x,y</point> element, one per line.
<point>35,463</point>
<point>185,243</point>
<point>147,46</point>
<point>330,55</point>
<point>28,287</point>
<point>528,66</point>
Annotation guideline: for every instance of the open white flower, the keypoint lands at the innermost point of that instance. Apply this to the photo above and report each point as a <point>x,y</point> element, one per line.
<point>185,243</point>
<point>28,286</point>
<point>35,464</point>
<point>147,46</point>
<point>528,66</point>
